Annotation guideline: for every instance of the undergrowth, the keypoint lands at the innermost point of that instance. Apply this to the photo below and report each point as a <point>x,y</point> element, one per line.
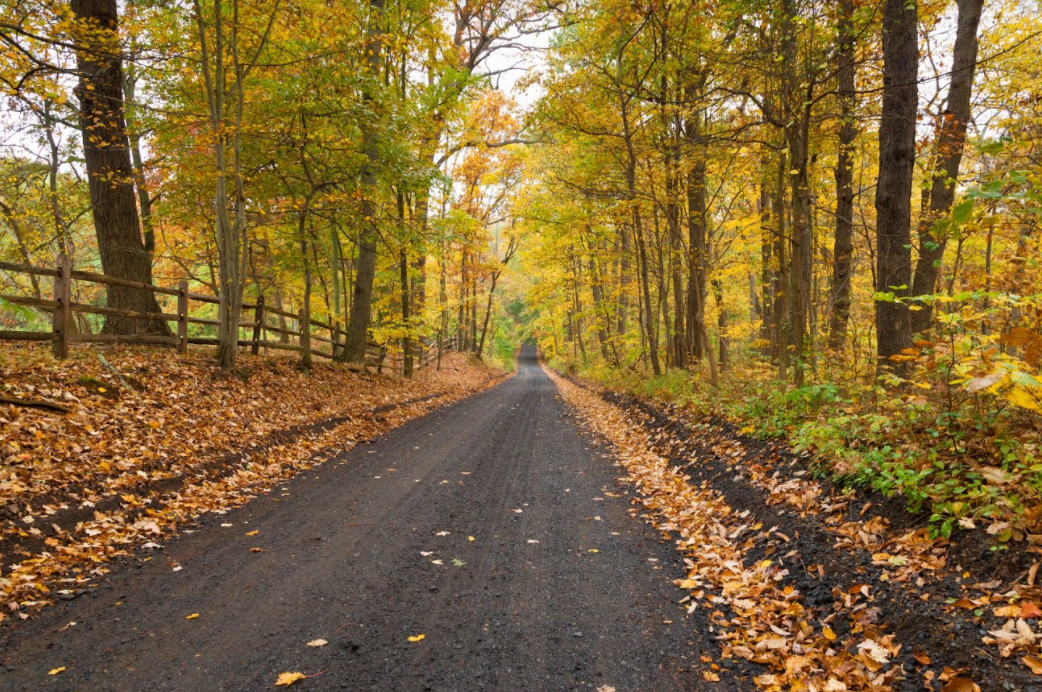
<point>965,458</point>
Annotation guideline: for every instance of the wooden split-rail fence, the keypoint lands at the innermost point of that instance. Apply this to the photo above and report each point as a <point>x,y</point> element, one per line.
<point>301,340</point>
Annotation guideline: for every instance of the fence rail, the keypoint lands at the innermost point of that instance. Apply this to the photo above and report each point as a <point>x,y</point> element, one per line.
<point>285,338</point>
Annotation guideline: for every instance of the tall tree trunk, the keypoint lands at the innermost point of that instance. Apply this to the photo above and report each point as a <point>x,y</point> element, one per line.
<point>419,292</point>
<point>598,308</point>
<point>896,164</point>
<point>362,300</point>
<point>305,322</point>
<point>797,136</point>
<point>649,311</point>
<point>843,244</point>
<point>461,317</point>
<point>488,311</point>
<point>676,253</point>
<point>782,289</point>
<point>721,322</point>
<point>951,140</point>
<point>138,163</point>
<point>696,246</point>
<point>767,272</point>
<point>403,270</point>
<point>623,280</point>
<point>407,347</point>
<point>110,176</point>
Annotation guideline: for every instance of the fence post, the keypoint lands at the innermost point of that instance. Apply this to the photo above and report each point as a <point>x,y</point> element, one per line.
<point>258,325</point>
<point>182,316</point>
<point>62,298</point>
<point>334,333</point>
<point>305,337</point>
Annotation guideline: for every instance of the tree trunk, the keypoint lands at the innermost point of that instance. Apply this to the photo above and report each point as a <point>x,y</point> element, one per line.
<point>896,164</point>
<point>676,252</point>
<point>951,140</point>
<point>780,337</point>
<point>767,272</point>
<point>305,311</point>
<point>696,251</point>
<point>843,243</point>
<point>106,152</point>
<point>797,136</point>
<point>362,300</point>
<point>403,271</point>
<point>624,281</point>
<point>598,308</point>
<point>649,311</point>
<point>721,323</point>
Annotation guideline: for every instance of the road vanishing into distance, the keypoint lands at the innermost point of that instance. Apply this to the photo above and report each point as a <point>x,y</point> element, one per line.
<point>485,546</point>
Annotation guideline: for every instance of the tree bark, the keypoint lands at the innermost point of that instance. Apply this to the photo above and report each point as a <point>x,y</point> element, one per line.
<point>106,152</point>
<point>696,247</point>
<point>843,243</point>
<point>951,140</point>
<point>362,302</point>
<point>896,164</point>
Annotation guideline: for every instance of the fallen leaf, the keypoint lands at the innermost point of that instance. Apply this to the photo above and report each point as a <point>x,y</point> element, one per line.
<point>253,533</point>
<point>256,550</point>
<point>1030,611</point>
<point>1034,663</point>
<point>315,643</point>
<point>458,563</point>
<point>286,679</point>
<point>55,671</point>
<point>417,637</point>
<point>192,616</point>
<point>470,538</point>
<point>442,533</point>
<point>961,685</point>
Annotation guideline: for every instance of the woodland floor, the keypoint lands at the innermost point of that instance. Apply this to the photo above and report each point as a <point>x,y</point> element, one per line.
<point>494,545</point>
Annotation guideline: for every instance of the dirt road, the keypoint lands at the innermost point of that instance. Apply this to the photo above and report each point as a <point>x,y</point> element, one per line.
<point>492,527</point>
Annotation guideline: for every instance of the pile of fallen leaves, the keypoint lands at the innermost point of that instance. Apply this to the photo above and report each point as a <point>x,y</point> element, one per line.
<point>755,614</point>
<point>153,439</point>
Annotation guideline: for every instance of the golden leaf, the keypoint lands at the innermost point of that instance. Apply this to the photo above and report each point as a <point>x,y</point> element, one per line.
<point>286,679</point>
<point>55,671</point>
<point>315,643</point>
<point>417,638</point>
<point>192,616</point>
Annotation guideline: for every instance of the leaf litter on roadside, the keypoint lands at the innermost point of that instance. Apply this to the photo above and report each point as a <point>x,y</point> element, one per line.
<point>204,433</point>
<point>754,614</point>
